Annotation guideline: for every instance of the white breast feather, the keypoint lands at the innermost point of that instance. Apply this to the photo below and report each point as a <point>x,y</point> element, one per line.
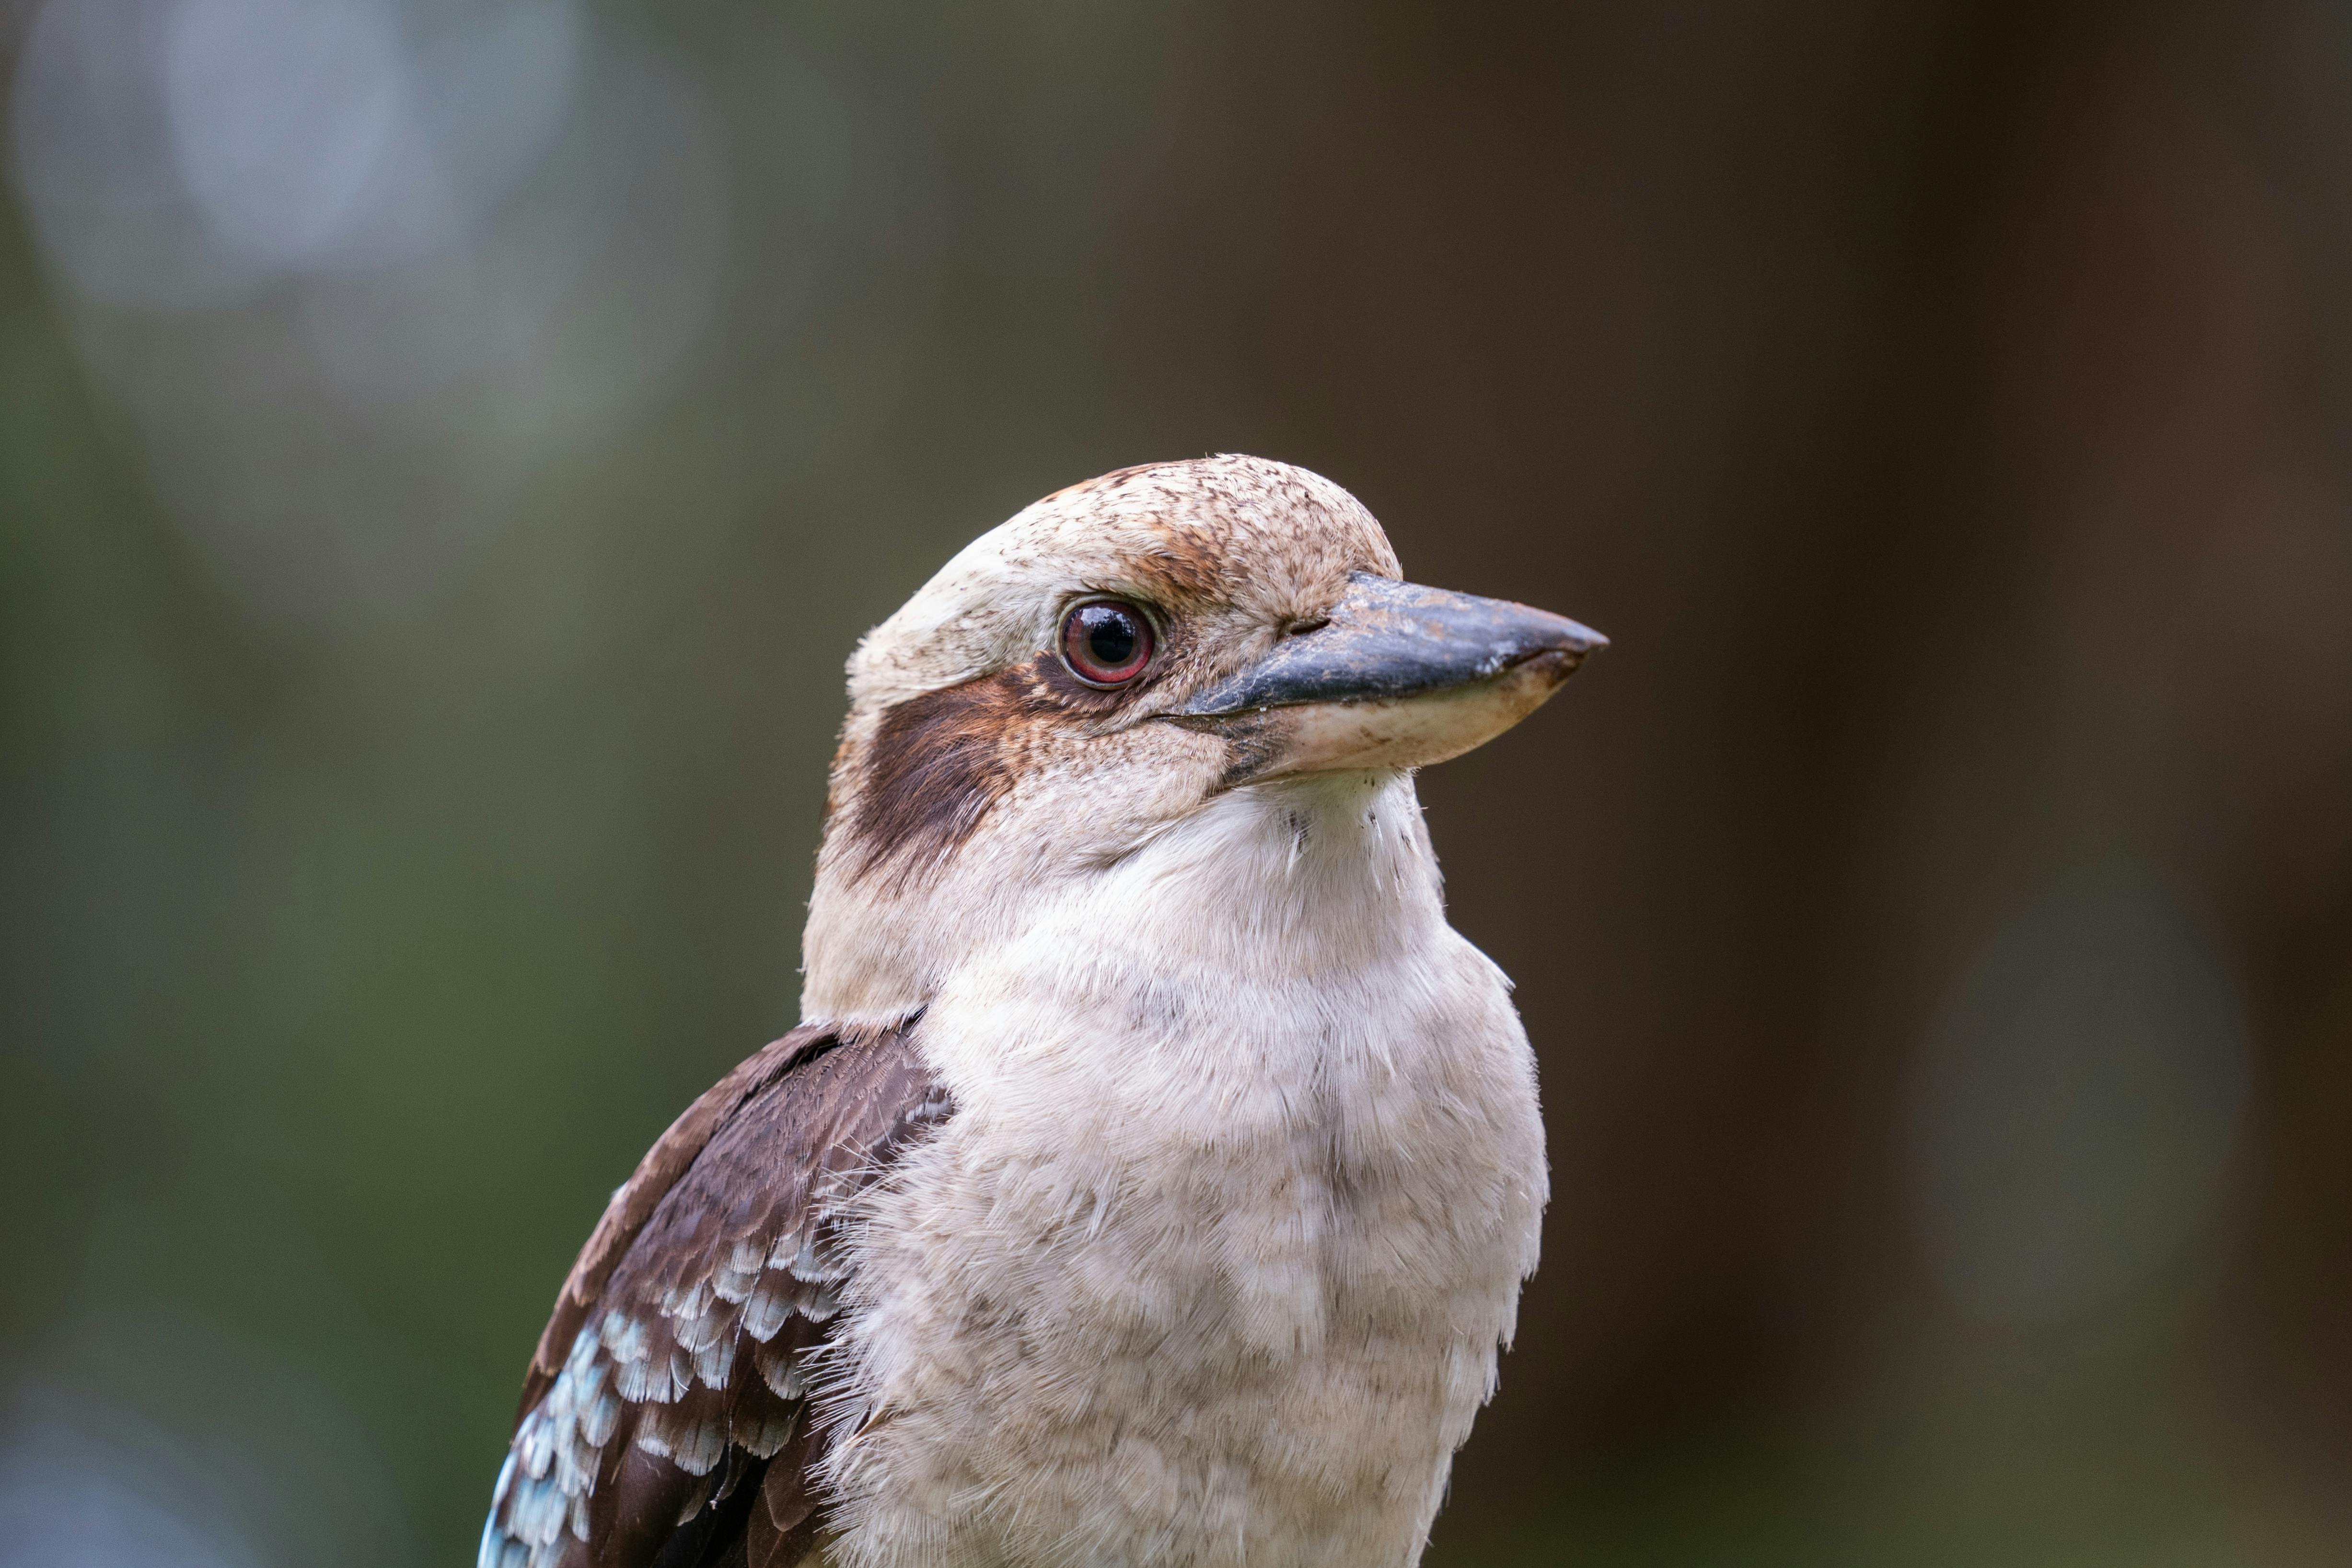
<point>1212,1265</point>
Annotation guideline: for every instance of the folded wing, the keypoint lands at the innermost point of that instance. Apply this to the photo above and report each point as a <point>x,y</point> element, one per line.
<point>665,1420</point>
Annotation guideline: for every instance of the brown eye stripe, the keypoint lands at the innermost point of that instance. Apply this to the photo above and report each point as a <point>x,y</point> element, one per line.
<point>937,763</point>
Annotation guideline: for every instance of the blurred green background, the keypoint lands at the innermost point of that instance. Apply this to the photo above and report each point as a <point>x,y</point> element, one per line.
<point>446,452</point>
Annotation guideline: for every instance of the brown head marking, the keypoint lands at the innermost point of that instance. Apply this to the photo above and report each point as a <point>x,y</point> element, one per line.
<point>937,762</point>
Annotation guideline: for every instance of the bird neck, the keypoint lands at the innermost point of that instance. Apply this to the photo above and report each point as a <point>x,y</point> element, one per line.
<point>1295,879</point>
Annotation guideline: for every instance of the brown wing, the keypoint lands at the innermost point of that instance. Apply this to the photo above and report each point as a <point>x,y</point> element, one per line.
<point>664,1421</point>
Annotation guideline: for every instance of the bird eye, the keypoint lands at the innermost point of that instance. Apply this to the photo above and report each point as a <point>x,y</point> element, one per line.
<point>1107,642</point>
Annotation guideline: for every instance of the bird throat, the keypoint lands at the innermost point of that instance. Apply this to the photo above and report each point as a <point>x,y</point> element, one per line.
<point>1301,876</point>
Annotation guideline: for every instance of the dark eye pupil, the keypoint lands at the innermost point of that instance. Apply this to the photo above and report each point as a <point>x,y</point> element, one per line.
<point>1110,635</point>
<point>1107,642</point>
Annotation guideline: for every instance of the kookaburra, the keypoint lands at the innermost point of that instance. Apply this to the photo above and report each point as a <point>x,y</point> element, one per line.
<point>1150,1181</point>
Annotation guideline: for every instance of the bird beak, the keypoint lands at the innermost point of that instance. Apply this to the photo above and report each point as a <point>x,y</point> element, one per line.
<point>1399,676</point>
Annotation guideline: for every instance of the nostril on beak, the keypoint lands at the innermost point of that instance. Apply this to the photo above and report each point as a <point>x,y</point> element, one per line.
<point>1300,629</point>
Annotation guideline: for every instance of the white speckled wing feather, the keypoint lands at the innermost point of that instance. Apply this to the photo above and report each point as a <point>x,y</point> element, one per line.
<point>666,1416</point>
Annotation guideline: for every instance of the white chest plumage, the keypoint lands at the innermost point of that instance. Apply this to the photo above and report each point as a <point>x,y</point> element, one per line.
<point>1211,1264</point>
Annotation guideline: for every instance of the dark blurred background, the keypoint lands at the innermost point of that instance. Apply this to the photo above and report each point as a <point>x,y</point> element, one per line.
<point>447,449</point>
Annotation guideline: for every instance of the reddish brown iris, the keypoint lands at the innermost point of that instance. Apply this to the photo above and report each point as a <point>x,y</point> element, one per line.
<point>1106,642</point>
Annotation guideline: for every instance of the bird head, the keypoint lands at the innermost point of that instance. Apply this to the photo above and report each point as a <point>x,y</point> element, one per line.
<point>1111,663</point>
